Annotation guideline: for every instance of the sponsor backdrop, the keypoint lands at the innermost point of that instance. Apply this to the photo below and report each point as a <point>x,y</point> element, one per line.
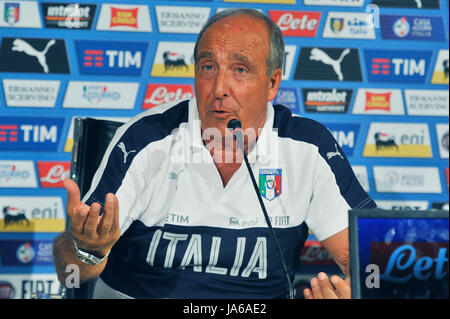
<point>375,72</point>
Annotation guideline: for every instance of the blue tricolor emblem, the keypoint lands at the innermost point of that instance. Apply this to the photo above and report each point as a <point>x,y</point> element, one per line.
<point>270,183</point>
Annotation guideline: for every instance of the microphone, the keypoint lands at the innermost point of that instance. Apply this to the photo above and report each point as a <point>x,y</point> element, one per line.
<point>236,129</point>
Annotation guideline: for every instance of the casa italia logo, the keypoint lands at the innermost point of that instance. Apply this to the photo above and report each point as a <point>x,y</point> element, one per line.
<point>270,183</point>
<point>401,27</point>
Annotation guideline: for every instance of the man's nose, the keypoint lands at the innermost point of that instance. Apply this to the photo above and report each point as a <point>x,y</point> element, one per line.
<point>221,88</point>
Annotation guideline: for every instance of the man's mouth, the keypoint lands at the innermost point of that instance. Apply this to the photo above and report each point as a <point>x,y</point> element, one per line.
<point>221,114</point>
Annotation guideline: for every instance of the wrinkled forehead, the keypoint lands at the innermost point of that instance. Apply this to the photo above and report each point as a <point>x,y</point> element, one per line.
<point>242,32</point>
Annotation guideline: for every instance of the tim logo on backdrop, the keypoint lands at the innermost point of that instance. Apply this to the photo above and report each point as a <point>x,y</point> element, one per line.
<point>397,65</point>
<point>110,57</point>
<point>30,133</point>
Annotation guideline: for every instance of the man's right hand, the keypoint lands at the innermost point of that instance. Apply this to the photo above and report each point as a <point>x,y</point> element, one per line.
<point>92,232</point>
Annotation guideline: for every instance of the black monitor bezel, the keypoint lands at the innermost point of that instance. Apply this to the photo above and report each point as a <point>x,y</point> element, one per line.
<point>354,214</point>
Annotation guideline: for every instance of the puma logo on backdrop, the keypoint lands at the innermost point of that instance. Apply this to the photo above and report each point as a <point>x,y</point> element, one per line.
<point>321,56</point>
<point>22,46</point>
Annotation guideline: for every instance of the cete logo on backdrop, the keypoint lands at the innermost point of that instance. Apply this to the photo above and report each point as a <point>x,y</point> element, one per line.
<point>52,174</point>
<point>20,14</point>
<point>30,93</point>
<point>33,56</point>
<point>30,133</point>
<point>17,174</point>
<point>157,94</point>
<point>110,57</point>
<point>296,23</point>
<point>397,65</point>
<point>379,101</point>
<point>419,28</point>
<point>120,17</point>
<point>326,101</point>
<point>345,134</point>
<point>346,25</point>
<point>68,16</point>
<point>398,140</point>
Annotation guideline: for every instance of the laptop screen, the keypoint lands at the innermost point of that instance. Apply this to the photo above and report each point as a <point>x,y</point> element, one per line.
<point>399,254</point>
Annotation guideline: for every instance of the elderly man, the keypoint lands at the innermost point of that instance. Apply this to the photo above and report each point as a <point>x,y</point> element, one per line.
<point>180,216</point>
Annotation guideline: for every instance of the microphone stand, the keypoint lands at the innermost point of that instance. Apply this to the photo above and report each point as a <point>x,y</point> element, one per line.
<point>238,136</point>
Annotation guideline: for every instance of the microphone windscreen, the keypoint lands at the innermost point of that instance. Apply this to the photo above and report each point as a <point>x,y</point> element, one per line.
<point>234,124</point>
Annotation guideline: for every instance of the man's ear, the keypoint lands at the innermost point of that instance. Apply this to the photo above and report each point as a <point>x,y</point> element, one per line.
<point>274,84</point>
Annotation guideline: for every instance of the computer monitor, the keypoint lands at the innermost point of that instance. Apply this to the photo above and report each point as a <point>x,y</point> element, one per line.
<point>399,254</point>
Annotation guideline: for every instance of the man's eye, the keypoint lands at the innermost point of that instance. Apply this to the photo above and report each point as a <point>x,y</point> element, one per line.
<point>207,67</point>
<point>241,70</point>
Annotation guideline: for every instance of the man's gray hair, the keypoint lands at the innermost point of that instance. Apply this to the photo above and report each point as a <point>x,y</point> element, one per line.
<point>276,54</point>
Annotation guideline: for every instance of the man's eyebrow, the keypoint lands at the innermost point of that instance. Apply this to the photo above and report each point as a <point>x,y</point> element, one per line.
<point>241,58</point>
<point>205,54</point>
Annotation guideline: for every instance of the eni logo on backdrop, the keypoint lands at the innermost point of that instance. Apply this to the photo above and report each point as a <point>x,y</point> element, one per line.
<point>174,59</point>
<point>31,214</point>
<point>398,140</point>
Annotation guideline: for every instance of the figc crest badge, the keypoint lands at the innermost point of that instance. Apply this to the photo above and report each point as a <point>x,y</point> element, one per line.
<point>270,183</point>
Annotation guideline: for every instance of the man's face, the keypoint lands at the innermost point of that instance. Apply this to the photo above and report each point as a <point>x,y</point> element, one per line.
<point>231,78</point>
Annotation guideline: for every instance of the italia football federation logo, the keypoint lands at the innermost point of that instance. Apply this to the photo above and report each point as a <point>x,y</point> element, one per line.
<point>270,183</point>
<point>11,13</point>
